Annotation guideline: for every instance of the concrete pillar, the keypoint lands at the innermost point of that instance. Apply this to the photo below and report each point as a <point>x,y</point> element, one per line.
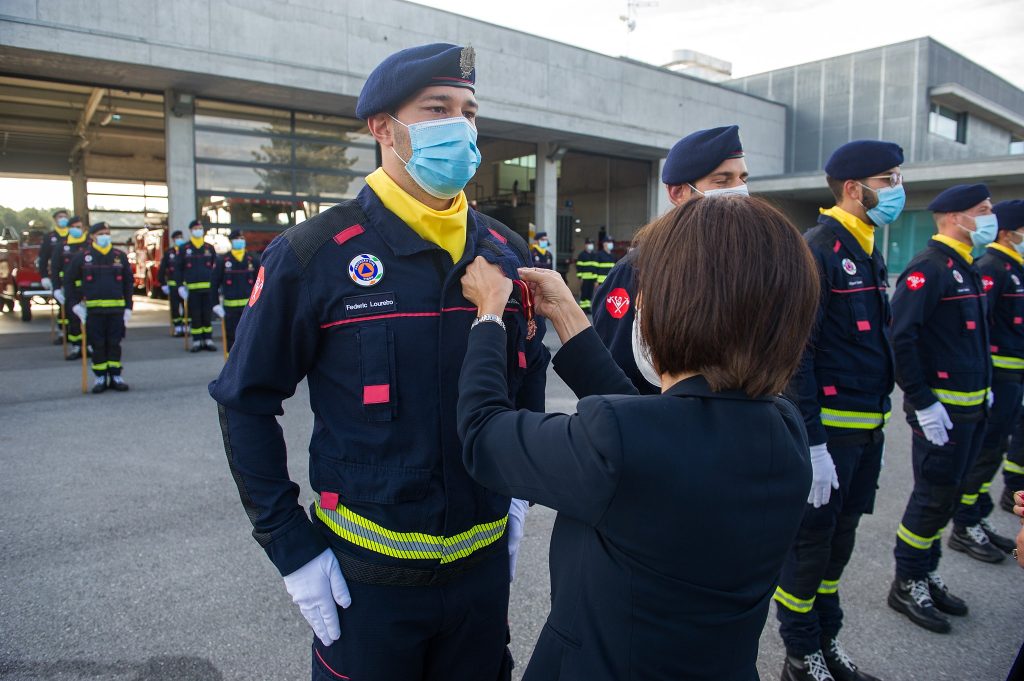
<point>180,144</point>
<point>657,196</point>
<point>546,191</point>
<point>79,192</point>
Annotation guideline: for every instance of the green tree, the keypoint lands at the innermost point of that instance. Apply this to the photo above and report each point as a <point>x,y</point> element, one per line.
<point>19,219</point>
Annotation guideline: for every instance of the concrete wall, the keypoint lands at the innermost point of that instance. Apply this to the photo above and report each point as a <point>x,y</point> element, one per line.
<point>313,55</point>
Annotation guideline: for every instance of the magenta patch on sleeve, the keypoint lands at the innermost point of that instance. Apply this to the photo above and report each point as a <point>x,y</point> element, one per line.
<point>376,394</point>
<point>863,325</point>
<point>522,360</point>
<point>349,233</point>
<point>942,374</point>
<point>1018,320</point>
<point>829,390</point>
<point>971,326</point>
<point>497,236</point>
<point>328,500</point>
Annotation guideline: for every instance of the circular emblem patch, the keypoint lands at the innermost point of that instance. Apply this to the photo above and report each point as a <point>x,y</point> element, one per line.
<point>617,303</point>
<point>67,248</point>
<point>959,277</point>
<point>987,282</point>
<point>366,269</point>
<point>228,264</point>
<point>257,289</point>
<point>88,258</point>
<point>849,267</point>
<point>915,280</point>
<point>188,251</point>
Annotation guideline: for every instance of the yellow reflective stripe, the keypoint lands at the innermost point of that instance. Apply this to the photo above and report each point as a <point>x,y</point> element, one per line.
<point>196,330</point>
<point>102,366</point>
<point>586,263</point>
<point>969,499</point>
<point>74,339</point>
<point>235,302</point>
<point>105,302</point>
<point>829,586</point>
<point>198,285</point>
<point>601,277</point>
<point>915,540</point>
<point>792,602</point>
<point>961,399</point>
<point>363,532</point>
<point>586,276</point>
<point>585,304</point>
<point>604,265</point>
<point>1006,362</point>
<point>867,420</point>
<point>78,282</point>
<point>985,487</point>
<point>172,282</point>
<point>1011,467</point>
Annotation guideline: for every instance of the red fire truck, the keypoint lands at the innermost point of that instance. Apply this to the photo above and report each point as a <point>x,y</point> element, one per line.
<point>19,277</point>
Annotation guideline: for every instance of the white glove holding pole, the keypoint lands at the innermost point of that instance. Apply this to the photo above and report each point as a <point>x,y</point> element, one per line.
<point>58,295</point>
<point>46,283</point>
<point>990,398</point>
<point>79,311</point>
<point>218,310</point>
<point>516,520</point>
<point>166,289</point>
<point>183,292</point>
<point>315,588</point>
<point>127,315</point>
<point>935,424</point>
<point>823,478</point>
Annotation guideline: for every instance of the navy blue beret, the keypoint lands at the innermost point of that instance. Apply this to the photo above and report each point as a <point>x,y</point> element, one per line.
<point>959,197</point>
<point>697,154</point>
<point>235,234</point>
<point>1010,214</point>
<point>405,73</point>
<point>176,233</point>
<point>98,226</point>
<point>196,223</point>
<point>74,219</point>
<point>863,158</point>
<point>541,235</point>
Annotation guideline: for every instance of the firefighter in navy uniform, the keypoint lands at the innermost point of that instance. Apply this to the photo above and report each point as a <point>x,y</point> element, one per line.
<point>1002,274</point>
<point>60,261</point>
<point>940,339</point>
<point>99,285</point>
<point>194,271</point>
<point>169,285</point>
<point>54,241</point>
<point>233,281</point>
<point>604,260</point>
<point>540,256</point>
<point>586,272</point>
<point>842,388</point>
<point>365,301</point>
<point>703,163</point>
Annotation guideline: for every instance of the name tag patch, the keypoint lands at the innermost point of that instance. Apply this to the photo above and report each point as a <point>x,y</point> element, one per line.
<point>370,304</point>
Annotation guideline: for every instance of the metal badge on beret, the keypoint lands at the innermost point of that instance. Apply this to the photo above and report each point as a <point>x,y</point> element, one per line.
<point>467,61</point>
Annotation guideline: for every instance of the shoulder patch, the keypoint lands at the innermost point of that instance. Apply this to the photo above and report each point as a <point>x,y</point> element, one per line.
<point>617,303</point>
<point>915,280</point>
<point>306,238</point>
<point>257,289</point>
<point>987,283</point>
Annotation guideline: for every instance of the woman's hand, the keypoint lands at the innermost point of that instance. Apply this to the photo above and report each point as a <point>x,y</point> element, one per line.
<point>486,286</point>
<point>553,299</point>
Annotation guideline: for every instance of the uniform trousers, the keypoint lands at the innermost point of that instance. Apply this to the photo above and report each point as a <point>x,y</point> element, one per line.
<point>455,631</point>
<point>73,328</point>
<point>1013,466</point>
<point>105,330</point>
<point>200,309</point>
<point>807,599</point>
<point>232,315</point>
<point>939,473</point>
<point>176,306</point>
<point>975,501</point>
<point>586,293</point>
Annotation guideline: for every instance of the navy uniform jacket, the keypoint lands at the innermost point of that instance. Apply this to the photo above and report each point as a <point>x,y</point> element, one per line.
<point>382,363</point>
<point>52,243</point>
<point>61,260</point>
<point>235,279</point>
<point>940,336</point>
<point>539,259</point>
<point>194,267</point>
<point>638,482</point>
<point>165,273</point>
<point>614,313</point>
<point>1003,281</point>
<point>105,281</point>
<point>847,372</point>
<point>603,264</point>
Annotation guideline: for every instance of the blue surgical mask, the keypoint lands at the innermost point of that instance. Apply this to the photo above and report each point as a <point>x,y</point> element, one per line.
<point>890,204</point>
<point>179,242</point>
<point>62,222</point>
<point>1019,247</point>
<point>102,240</point>
<point>444,155</point>
<point>740,190</point>
<point>197,232</point>
<point>543,243</point>
<point>589,248</point>
<point>986,227</point>
<point>238,244</point>
<point>75,232</point>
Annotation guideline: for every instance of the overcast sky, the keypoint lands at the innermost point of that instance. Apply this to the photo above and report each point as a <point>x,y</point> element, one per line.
<point>760,35</point>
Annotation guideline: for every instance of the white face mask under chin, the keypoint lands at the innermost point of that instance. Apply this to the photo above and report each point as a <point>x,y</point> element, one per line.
<point>642,356</point>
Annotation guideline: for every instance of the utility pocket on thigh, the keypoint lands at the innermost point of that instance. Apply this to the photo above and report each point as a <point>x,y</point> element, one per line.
<point>937,466</point>
<point>377,372</point>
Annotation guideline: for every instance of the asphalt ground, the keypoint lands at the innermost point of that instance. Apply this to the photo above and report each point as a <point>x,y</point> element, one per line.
<point>125,553</point>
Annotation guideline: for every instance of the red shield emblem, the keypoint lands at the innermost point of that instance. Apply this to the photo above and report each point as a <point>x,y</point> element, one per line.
<point>915,280</point>
<point>987,282</point>
<point>617,303</point>
<point>257,288</point>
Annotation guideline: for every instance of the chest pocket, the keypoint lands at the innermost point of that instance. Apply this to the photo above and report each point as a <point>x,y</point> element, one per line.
<point>377,372</point>
<point>861,323</point>
<point>970,316</point>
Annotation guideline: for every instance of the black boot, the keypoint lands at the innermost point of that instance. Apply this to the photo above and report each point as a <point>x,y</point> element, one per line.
<point>840,664</point>
<point>1006,500</point>
<point>943,599</point>
<point>1004,544</point>
<point>74,353</point>
<point>974,542</point>
<point>807,668</point>
<point>117,383</point>
<point>912,598</point>
<point>100,385</point>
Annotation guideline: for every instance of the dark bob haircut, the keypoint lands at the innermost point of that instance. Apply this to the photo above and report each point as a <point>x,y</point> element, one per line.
<point>729,290</point>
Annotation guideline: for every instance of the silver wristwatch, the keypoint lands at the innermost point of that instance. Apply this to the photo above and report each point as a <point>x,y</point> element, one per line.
<point>489,318</point>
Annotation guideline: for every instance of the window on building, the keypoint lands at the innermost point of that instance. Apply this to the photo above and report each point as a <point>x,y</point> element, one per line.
<point>945,122</point>
<point>1016,145</point>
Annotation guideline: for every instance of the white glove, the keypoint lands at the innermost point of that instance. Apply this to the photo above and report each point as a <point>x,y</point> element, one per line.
<point>79,311</point>
<point>990,398</point>
<point>47,284</point>
<point>166,289</point>
<point>315,588</point>
<point>516,519</point>
<point>823,478</point>
<point>935,423</point>
<point>127,315</point>
<point>218,310</point>
<point>58,295</point>
<point>183,292</point>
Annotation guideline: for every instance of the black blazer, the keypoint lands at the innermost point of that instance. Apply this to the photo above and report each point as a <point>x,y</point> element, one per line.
<point>675,512</point>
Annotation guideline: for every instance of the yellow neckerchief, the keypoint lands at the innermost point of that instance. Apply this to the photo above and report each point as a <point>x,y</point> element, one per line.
<point>962,249</point>
<point>103,251</point>
<point>239,255</point>
<point>445,228</point>
<point>62,232</point>
<point>543,251</point>
<point>1012,252</point>
<point>73,240</point>
<point>861,231</point>
<point>198,243</point>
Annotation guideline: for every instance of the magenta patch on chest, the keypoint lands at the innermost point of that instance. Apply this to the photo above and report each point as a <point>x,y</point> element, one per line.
<point>376,394</point>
